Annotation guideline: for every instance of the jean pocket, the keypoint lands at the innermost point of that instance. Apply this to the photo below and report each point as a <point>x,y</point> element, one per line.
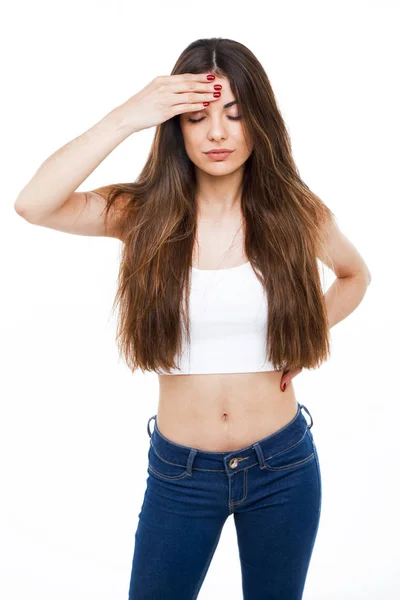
<point>296,455</point>
<point>164,469</point>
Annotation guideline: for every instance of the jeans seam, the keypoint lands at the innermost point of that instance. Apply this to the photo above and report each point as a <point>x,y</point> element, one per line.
<point>286,467</point>
<point>163,459</point>
<point>289,448</point>
<point>319,478</point>
<point>168,477</point>
<point>200,581</point>
<point>236,502</point>
<point>320,498</point>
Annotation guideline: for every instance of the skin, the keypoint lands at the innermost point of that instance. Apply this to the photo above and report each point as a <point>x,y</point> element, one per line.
<point>218,202</point>
<point>218,183</point>
<point>186,400</point>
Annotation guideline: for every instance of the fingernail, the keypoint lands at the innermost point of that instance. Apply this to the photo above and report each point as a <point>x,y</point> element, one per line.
<point>210,77</point>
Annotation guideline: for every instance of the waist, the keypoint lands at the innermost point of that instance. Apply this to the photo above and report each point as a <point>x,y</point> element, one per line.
<point>223,412</point>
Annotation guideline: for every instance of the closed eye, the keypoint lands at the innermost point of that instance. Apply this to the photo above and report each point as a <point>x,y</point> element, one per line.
<point>198,120</point>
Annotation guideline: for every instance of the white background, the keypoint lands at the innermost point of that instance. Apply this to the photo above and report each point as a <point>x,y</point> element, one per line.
<point>73,439</point>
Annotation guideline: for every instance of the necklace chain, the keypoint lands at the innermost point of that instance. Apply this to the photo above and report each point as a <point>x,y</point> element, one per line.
<point>229,248</point>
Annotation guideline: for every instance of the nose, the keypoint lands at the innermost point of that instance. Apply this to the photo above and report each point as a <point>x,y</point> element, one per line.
<point>217,127</point>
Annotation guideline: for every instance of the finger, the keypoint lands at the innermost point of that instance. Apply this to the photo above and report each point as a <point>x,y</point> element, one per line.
<point>184,108</point>
<point>192,98</point>
<point>186,83</point>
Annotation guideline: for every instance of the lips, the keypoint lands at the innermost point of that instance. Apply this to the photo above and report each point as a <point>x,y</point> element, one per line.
<point>219,156</point>
<point>220,151</point>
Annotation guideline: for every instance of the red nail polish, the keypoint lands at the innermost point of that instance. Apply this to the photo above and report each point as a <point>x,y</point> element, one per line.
<point>206,103</point>
<point>217,86</point>
<point>210,77</point>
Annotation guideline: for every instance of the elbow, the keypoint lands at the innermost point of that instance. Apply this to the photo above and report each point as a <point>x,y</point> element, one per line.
<point>20,209</point>
<point>19,204</point>
<point>365,273</point>
<point>24,213</point>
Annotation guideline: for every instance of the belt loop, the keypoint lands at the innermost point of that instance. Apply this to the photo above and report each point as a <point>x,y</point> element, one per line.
<point>259,453</point>
<point>192,454</point>
<point>148,425</point>
<point>308,412</point>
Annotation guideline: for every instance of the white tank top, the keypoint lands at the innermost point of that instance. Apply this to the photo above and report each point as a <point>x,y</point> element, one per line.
<point>228,321</point>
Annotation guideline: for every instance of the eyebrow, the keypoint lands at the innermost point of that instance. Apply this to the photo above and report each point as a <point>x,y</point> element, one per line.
<point>230,104</point>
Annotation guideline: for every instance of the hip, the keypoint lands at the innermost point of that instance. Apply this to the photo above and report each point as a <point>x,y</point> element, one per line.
<point>223,412</point>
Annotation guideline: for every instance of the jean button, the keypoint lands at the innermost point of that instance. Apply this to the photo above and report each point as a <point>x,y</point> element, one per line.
<point>233,463</point>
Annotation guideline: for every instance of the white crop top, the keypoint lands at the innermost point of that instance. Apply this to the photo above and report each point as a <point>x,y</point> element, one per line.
<point>228,320</point>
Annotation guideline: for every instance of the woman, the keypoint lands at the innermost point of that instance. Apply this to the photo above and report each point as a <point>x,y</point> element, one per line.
<point>220,294</point>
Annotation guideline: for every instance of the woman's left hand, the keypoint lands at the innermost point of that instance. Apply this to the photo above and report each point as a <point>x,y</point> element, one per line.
<point>288,376</point>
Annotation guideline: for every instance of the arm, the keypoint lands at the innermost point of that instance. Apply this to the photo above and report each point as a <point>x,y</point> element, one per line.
<point>352,274</point>
<point>66,169</point>
<point>344,295</point>
<point>352,279</point>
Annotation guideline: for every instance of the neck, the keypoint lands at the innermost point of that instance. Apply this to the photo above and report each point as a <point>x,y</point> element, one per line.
<point>218,197</point>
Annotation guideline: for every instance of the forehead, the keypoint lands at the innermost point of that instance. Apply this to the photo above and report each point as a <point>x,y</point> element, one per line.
<point>224,81</point>
<point>226,92</point>
<point>226,95</point>
<point>220,79</point>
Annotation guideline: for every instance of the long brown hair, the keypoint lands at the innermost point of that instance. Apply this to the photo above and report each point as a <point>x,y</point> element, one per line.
<point>283,222</point>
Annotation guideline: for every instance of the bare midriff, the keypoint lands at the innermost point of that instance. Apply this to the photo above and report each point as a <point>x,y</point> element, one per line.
<point>223,412</point>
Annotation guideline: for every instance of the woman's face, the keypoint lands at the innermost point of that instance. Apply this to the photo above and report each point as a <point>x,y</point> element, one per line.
<point>217,127</point>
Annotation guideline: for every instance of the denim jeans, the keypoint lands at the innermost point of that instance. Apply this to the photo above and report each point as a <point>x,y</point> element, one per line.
<point>273,490</point>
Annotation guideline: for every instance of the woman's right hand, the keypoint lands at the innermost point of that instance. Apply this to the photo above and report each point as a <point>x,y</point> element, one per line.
<point>165,97</point>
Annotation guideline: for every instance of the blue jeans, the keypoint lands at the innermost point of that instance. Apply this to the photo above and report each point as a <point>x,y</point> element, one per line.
<point>273,490</point>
